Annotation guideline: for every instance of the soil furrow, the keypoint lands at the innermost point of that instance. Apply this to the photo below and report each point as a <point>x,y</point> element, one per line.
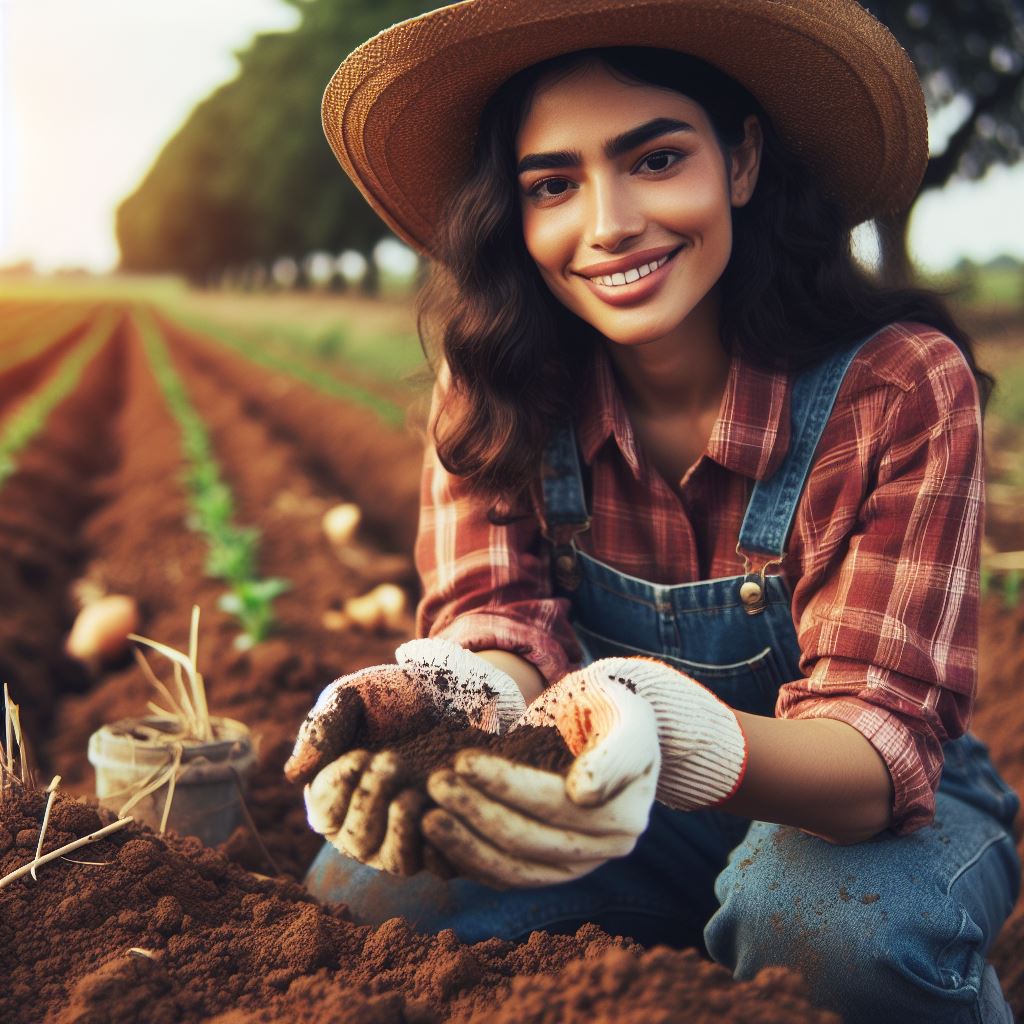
<point>18,381</point>
<point>136,542</point>
<point>360,458</point>
<point>45,502</point>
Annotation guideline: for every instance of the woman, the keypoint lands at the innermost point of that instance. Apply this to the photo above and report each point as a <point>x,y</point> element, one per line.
<point>680,440</point>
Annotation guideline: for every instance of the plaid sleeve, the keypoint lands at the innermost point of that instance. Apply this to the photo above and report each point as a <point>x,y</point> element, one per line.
<point>487,586</point>
<point>888,624</point>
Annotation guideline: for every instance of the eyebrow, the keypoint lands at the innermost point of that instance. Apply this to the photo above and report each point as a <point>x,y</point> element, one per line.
<point>615,147</point>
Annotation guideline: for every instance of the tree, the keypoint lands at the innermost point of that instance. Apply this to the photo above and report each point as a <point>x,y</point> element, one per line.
<point>970,57</point>
<point>249,176</point>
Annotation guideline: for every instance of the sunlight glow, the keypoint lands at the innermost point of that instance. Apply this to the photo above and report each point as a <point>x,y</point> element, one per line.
<point>91,91</point>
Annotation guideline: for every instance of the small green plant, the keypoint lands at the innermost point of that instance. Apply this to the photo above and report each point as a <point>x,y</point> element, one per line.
<point>232,550</point>
<point>251,601</point>
<point>1012,587</point>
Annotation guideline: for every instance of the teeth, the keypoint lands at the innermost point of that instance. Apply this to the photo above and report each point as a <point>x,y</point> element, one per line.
<point>631,275</point>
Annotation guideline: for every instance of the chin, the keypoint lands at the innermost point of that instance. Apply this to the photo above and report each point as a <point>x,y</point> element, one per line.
<point>635,334</point>
<point>631,339</point>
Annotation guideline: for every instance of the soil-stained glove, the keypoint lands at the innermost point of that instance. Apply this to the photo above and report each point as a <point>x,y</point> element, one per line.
<point>357,801</point>
<point>510,825</point>
<point>434,679</point>
<point>703,749</point>
<point>358,804</point>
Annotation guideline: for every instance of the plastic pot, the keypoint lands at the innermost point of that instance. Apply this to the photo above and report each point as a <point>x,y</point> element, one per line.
<point>206,800</point>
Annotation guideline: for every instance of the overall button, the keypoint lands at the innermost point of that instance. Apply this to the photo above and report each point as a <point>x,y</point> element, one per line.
<point>752,594</point>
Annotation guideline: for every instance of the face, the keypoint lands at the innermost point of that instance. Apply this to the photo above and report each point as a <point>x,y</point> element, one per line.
<point>626,199</point>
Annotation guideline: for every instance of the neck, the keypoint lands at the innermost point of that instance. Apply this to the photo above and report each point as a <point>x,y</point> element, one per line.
<point>683,373</point>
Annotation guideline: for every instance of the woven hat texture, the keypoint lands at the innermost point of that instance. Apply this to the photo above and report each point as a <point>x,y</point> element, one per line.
<point>401,111</point>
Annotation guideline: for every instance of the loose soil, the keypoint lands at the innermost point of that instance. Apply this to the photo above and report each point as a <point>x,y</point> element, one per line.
<point>165,930</point>
<point>540,747</point>
<point>98,494</point>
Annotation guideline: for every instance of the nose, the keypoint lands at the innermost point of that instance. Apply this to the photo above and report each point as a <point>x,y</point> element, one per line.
<point>613,217</point>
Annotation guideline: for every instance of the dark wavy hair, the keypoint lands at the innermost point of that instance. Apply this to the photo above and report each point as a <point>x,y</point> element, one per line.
<point>790,294</point>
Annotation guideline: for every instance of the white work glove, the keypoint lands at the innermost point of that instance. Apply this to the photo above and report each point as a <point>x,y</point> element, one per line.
<point>507,824</point>
<point>356,799</point>
<point>703,749</point>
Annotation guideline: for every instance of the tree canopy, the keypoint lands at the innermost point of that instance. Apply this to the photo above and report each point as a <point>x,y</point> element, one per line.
<point>969,55</point>
<point>250,177</point>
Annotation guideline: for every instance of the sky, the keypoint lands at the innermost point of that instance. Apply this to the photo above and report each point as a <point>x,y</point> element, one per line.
<point>91,89</point>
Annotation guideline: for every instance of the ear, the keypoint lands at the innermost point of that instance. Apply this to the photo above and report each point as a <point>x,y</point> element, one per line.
<point>745,163</point>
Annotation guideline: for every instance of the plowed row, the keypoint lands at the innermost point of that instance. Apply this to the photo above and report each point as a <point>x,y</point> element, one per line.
<point>97,494</point>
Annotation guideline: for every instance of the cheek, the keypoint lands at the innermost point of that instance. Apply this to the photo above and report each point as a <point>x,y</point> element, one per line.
<point>548,241</point>
<point>701,209</point>
<point>532,240</point>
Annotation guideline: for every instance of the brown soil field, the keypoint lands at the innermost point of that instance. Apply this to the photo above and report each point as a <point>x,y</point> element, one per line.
<point>218,935</point>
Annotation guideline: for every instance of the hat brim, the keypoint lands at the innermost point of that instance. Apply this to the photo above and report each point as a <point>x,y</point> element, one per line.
<point>401,112</point>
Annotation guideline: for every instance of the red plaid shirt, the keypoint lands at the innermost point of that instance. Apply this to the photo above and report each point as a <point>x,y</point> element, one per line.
<point>882,562</point>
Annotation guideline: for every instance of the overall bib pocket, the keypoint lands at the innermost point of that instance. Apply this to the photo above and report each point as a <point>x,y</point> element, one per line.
<point>749,685</point>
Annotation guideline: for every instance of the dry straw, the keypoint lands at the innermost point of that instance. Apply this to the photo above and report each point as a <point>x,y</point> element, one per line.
<point>16,770</point>
<point>15,762</point>
<point>60,851</point>
<point>51,791</point>
<point>186,709</point>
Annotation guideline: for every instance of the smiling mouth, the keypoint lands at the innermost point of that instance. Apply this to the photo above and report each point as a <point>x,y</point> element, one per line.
<point>620,278</point>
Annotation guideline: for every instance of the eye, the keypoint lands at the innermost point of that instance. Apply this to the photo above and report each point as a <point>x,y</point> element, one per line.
<point>661,160</point>
<point>549,188</point>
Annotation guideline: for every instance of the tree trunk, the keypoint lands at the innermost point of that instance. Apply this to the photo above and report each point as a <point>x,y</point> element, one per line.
<point>370,284</point>
<point>895,269</point>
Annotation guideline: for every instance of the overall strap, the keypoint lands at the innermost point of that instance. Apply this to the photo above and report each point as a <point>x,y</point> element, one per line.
<point>565,512</point>
<point>772,508</point>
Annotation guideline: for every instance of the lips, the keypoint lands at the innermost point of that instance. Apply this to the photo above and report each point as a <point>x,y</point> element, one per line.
<point>626,263</point>
<point>619,278</point>
<point>638,290</point>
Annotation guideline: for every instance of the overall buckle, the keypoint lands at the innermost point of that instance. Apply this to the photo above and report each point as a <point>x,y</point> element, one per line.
<point>568,573</point>
<point>753,591</point>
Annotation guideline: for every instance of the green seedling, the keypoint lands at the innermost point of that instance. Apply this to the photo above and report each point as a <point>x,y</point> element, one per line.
<point>251,603</point>
<point>232,550</point>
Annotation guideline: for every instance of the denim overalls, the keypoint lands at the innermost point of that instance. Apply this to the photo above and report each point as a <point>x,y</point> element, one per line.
<point>895,928</point>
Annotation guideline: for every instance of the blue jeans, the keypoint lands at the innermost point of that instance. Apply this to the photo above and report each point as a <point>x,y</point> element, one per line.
<point>895,928</point>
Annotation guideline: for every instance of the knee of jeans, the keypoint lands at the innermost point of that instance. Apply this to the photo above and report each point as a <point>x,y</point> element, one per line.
<point>868,954</point>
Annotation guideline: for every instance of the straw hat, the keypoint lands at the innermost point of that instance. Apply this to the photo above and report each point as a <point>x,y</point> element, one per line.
<point>401,111</point>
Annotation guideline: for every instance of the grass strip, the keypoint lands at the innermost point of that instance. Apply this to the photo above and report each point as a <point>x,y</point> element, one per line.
<point>293,366</point>
<point>231,549</point>
<point>31,416</point>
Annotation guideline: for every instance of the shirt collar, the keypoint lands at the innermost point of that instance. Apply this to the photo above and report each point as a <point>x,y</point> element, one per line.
<point>750,436</point>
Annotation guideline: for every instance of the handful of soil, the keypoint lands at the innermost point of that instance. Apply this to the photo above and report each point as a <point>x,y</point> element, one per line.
<point>424,752</point>
<point>435,747</point>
